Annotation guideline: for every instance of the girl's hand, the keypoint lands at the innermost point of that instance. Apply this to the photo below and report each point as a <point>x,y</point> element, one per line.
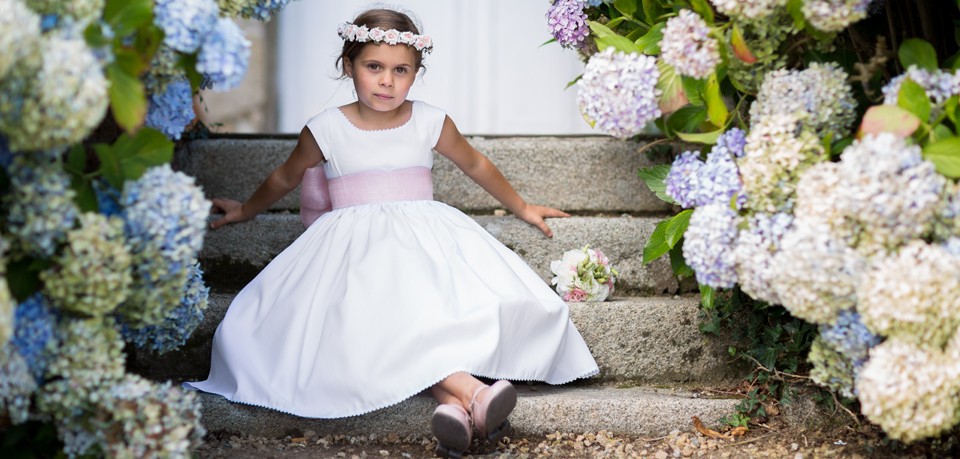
<point>534,215</point>
<point>231,209</point>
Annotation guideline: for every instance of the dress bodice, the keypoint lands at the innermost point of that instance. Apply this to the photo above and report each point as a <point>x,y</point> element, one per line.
<point>350,150</point>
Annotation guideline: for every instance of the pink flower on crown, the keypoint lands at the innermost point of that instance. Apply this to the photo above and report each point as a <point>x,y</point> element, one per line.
<point>406,37</point>
<point>376,34</point>
<point>362,33</point>
<point>351,32</point>
<point>391,37</point>
<point>423,42</point>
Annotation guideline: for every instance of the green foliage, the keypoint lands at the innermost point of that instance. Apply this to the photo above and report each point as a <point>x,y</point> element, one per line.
<point>919,53</point>
<point>130,156</point>
<point>655,178</point>
<point>30,440</point>
<point>666,235</point>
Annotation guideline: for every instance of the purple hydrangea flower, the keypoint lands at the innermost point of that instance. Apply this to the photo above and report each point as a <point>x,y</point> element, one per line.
<point>618,92</point>
<point>733,140</point>
<point>568,23</point>
<point>171,110</point>
<point>683,180</point>
<point>708,245</point>
<point>34,336</point>
<point>850,337</point>
<point>224,55</point>
<point>185,23</point>
<point>688,46</point>
<point>720,179</point>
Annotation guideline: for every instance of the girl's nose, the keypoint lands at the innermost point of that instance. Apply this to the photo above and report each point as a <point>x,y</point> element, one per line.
<point>386,80</point>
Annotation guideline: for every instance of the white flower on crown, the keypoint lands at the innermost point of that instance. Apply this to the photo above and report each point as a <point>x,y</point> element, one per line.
<point>391,37</point>
<point>351,32</point>
<point>363,33</point>
<point>423,43</point>
<point>377,34</point>
<point>407,37</point>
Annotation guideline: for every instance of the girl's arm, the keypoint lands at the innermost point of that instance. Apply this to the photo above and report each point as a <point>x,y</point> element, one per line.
<point>478,167</point>
<point>281,181</point>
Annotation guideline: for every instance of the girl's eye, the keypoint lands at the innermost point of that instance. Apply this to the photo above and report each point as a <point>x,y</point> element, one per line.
<point>401,70</point>
<point>373,66</point>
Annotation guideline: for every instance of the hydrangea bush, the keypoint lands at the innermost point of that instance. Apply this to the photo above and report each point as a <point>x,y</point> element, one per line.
<point>98,235</point>
<point>827,179</point>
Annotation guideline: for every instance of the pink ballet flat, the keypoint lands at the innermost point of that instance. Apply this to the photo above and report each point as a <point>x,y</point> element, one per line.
<point>451,425</point>
<point>490,415</point>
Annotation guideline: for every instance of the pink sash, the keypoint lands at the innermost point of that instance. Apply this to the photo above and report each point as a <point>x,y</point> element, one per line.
<point>318,195</point>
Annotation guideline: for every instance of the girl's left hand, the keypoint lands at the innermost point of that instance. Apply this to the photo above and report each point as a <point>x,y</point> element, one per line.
<point>534,215</point>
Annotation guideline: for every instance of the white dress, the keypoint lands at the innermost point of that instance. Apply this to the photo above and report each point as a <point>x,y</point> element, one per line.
<point>376,302</point>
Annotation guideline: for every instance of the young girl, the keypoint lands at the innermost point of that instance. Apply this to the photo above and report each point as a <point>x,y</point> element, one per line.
<point>391,292</point>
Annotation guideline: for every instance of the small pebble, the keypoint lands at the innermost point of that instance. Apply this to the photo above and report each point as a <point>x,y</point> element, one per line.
<point>794,446</point>
<point>661,455</point>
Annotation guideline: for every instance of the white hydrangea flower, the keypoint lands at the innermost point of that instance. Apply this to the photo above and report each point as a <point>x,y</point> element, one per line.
<point>618,91</point>
<point>757,244</point>
<point>57,104</point>
<point>913,295</point>
<point>688,46</point>
<point>91,275</point>
<point>834,15</point>
<point>910,391</point>
<point>16,385</point>
<point>774,158</point>
<point>815,274</point>
<point>19,33</point>
<point>708,244</point>
<point>748,9</point>
<point>7,304</point>
<point>831,369</point>
<point>889,191</point>
<point>818,191</point>
<point>819,95</point>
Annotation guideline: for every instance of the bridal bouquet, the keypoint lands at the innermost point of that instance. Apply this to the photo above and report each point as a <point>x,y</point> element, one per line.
<point>583,275</point>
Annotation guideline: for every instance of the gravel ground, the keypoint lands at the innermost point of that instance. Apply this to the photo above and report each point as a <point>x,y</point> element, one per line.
<point>845,441</point>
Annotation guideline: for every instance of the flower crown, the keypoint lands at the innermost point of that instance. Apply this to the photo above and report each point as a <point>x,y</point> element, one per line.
<point>353,32</point>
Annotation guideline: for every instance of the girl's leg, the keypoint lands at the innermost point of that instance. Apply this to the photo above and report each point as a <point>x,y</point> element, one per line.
<point>457,389</point>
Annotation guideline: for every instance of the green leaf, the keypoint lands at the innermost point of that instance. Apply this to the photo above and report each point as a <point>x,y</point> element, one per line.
<point>128,100</point>
<point>76,160</point>
<point>552,40</point>
<point>915,51</point>
<point>676,227</point>
<point>654,177</point>
<point>740,47</point>
<point>888,118</point>
<point>945,155</point>
<point>950,108</point>
<point>85,197</point>
<point>145,149</point>
<point>649,43</point>
<point>670,85</point>
<point>707,296</point>
<point>693,88</point>
<point>795,9</point>
<point>703,9</point>
<point>23,277</point>
<point>678,263</point>
<point>706,138</point>
<point>574,81</point>
<point>126,16</point>
<point>606,38</point>
<point>687,119</point>
<point>941,132</point>
<point>656,246</point>
<point>914,99</point>
<point>625,7</point>
<point>109,165</point>
<point>716,108</point>
<point>652,10</point>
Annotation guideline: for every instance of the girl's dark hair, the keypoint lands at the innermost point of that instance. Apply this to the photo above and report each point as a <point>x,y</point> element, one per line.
<point>384,19</point>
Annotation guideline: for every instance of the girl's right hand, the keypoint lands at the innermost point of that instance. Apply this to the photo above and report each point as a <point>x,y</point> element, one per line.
<point>232,212</point>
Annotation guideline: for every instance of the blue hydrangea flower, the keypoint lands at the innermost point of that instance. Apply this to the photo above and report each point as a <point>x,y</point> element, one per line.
<point>165,220</point>
<point>179,323</point>
<point>185,23</point>
<point>263,10</point>
<point>594,3</point>
<point>224,55</point>
<point>34,339</point>
<point>720,179</point>
<point>49,22</point>
<point>850,337</point>
<point>709,242</point>
<point>171,110</point>
<point>568,23</point>
<point>683,180</point>
<point>108,198</point>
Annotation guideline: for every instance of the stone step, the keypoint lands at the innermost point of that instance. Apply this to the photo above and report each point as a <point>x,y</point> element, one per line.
<point>577,174</point>
<point>641,411</point>
<point>649,340</point>
<point>234,254</point>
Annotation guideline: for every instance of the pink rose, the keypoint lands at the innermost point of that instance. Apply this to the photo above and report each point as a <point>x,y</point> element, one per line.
<point>376,34</point>
<point>575,295</point>
<point>362,33</point>
<point>406,37</point>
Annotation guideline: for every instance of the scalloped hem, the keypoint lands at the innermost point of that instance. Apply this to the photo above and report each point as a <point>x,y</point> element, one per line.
<point>585,375</point>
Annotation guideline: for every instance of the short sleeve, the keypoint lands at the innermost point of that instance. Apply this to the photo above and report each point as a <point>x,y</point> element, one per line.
<point>430,122</point>
<point>316,125</point>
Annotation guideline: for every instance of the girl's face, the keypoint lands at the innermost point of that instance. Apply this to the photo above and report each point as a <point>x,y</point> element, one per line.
<point>382,75</point>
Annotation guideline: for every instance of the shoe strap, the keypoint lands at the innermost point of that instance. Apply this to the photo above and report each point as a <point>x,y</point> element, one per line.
<point>473,399</point>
